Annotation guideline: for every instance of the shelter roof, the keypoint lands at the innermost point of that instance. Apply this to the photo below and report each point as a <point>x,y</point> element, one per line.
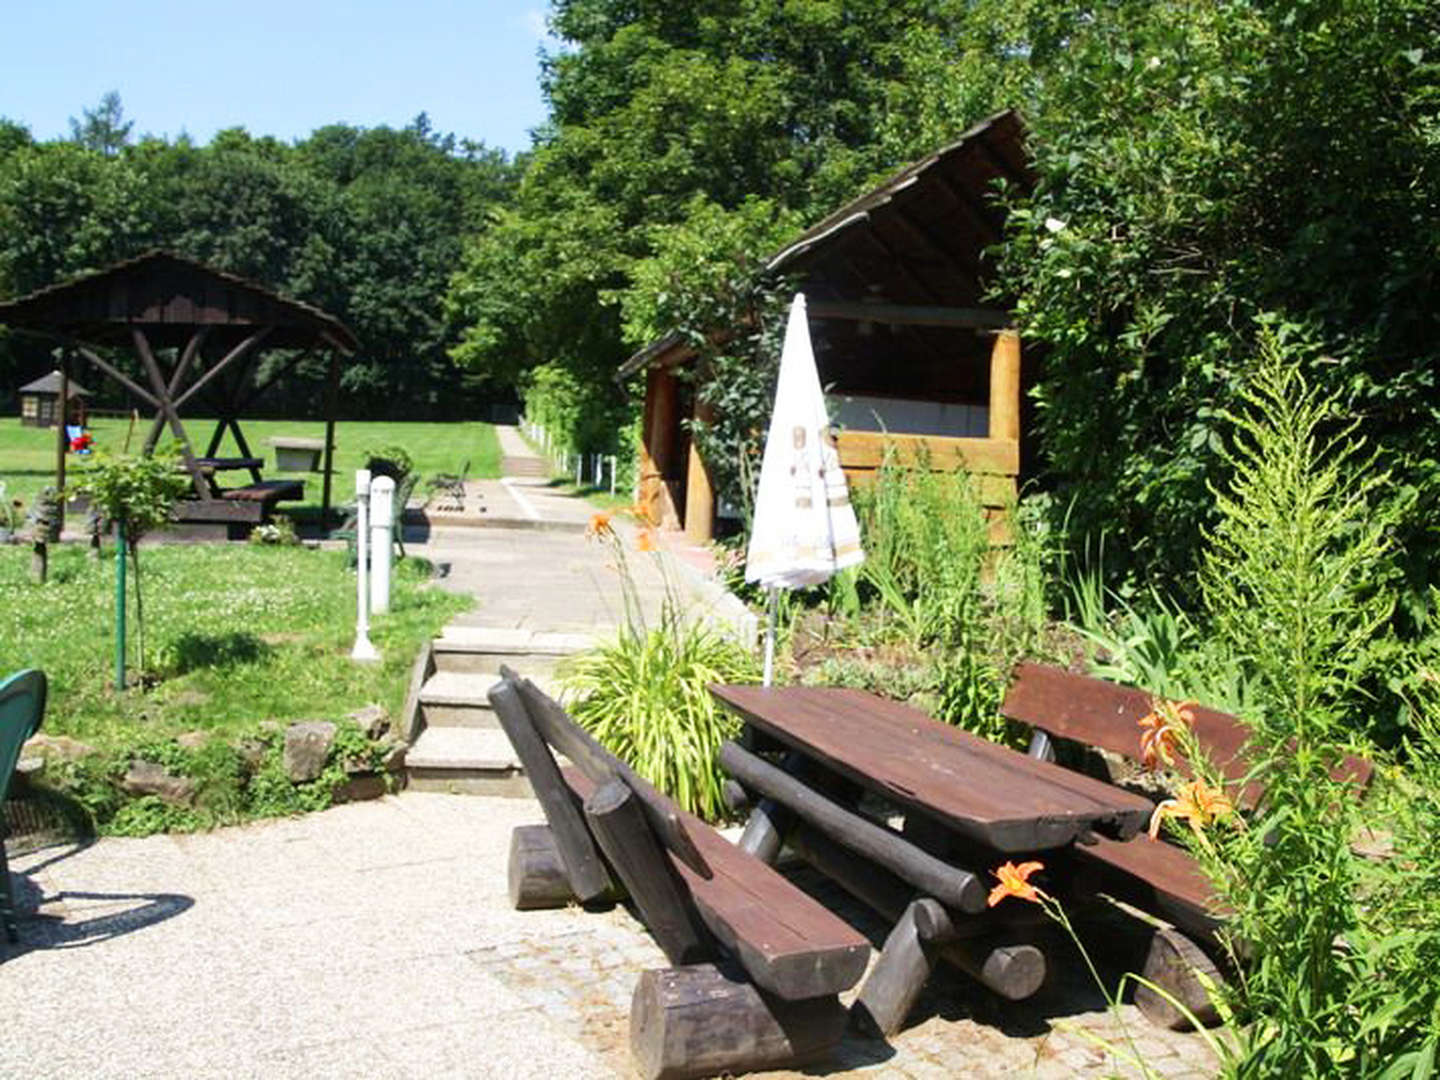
<point>917,240</point>
<point>50,384</point>
<point>170,297</point>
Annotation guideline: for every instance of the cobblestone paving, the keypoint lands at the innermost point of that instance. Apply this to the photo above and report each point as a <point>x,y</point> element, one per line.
<point>584,980</point>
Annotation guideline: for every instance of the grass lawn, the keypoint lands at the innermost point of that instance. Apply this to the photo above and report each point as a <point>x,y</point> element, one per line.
<point>235,633</point>
<point>27,454</point>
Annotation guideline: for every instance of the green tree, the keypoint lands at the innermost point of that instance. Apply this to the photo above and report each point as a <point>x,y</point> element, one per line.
<point>104,128</point>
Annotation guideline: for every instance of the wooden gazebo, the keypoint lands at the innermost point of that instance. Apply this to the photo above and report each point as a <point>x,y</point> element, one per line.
<point>40,401</point>
<point>192,328</point>
<point>911,350</point>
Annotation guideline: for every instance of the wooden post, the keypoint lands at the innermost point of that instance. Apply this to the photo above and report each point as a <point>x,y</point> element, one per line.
<point>662,438</point>
<point>699,491</point>
<point>699,1021</point>
<point>619,824</point>
<point>1005,386</point>
<point>62,441</point>
<point>332,388</point>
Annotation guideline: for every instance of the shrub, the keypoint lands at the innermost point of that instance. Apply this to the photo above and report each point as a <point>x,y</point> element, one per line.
<point>644,695</point>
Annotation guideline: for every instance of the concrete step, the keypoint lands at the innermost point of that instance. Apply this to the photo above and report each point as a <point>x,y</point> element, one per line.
<point>465,761</point>
<point>461,698</point>
<point>458,699</point>
<point>482,649</point>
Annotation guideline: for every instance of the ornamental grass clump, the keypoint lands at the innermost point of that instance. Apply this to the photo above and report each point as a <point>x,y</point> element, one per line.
<point>644,694</point>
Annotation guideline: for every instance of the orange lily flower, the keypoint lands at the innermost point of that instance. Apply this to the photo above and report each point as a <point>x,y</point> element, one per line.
<point>1201,806</point>
<point>599,527</point>
<point>1160,728</point>
<point>645,540</point>
<point>1015,881</point>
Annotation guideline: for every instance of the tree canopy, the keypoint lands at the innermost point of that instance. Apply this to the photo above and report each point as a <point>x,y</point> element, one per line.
<point>366,223</point>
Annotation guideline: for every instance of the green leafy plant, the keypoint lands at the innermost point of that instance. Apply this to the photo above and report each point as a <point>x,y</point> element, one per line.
<point>390,460</point>
<point>278,532</point>
<point>1293,579</point>
<point>644,695</point>
<point>137,493</point>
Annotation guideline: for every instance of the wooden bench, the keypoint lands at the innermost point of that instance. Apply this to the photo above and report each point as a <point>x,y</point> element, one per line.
<point>1153,875</point>
<point>761,962</point>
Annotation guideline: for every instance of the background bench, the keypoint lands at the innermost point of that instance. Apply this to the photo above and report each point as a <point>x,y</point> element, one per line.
<point>763,962</point>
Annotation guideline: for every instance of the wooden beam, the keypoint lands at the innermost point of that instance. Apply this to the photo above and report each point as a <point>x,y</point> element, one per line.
<point>182,368</point>
<point>119,376</point>
<point>867,450</point>
<point>167,410</point>
<point>978,216</point>
<point>535,873</point>
<point>952,885</point>
<point>225,361</point>
<point>911,314</point>
<point>902,266</point>
<point>332,391</point>
<point>924,240</point>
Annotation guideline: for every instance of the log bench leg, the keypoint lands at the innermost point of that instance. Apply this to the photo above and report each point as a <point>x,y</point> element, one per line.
<point>698,1021</point>
<point>1180,968</point>
<point>624,835</point>
<point>536,873</point>
<point>923,935</point>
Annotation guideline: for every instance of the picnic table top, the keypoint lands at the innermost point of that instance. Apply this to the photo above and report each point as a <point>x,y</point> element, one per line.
<point>983,791</point>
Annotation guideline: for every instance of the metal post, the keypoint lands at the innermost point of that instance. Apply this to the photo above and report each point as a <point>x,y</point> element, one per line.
<point>363,649</point>
<point>612,474</point>
<point>382,497</point>
<point>119,605</point>
<point>770,637</point>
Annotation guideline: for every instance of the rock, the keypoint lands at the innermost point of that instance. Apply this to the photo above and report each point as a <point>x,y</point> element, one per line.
<point>148,778</point>
<point>360,787</point>
<point>394,760</point>
<point>307,745</point>
<point>252,752</point>
<point>56,747</point>
<point>192,740</point>
<point>372,720</point>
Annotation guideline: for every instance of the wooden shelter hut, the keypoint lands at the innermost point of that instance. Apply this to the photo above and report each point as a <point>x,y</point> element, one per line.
<point>196,335</point>
<point>909,353</point>
<point>40,402</point>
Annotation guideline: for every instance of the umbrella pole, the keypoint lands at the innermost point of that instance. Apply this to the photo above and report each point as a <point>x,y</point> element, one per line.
<point>770,637</point>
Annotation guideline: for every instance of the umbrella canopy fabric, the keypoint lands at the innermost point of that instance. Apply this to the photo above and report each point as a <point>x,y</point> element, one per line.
<point>804,528</point>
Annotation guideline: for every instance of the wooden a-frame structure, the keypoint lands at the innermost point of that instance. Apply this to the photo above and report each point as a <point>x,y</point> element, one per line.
<point>217,325</point>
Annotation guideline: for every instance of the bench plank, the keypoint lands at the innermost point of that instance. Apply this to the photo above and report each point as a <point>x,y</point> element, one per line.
<point>1178,884</point>
<point>786,940</point>
<point>266,491</point>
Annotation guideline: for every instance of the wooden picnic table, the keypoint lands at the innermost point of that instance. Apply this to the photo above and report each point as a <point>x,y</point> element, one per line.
<point>984,792</point>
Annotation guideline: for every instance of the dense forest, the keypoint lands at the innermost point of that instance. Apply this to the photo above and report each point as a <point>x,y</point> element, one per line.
<point>366,223</point>
<point>1205,170</point>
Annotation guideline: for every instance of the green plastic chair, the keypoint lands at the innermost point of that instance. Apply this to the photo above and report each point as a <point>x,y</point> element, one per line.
<point>22,706</point>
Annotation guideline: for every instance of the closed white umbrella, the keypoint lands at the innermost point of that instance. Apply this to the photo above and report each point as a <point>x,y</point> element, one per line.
<point>804,528</point>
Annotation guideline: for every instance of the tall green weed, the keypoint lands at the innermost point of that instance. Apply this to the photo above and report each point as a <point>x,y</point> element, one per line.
<point>1294,584</point>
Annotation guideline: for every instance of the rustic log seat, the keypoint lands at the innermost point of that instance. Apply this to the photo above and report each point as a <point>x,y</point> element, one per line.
<point>1154,876</point>
<point>268,492</point>
<point>762,961</point>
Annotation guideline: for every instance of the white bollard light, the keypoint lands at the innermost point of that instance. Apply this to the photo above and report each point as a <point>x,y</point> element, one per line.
<point>382,498</point>
<point>363,649</point>
<point>612,474</point>
<point>579,469</point>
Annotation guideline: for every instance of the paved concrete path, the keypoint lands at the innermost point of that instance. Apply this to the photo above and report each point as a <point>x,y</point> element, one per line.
<point>376,940</point>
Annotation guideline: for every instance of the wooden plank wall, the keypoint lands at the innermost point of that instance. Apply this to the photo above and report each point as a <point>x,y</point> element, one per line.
<point>994,465</point>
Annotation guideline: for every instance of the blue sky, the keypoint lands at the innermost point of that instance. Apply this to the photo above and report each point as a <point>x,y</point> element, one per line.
<point>277,67</point>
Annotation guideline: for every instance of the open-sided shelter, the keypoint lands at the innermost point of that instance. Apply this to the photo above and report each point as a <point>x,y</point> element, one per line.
<point>197,334</point>
<point>909,351</point>
<point>40,401</point>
